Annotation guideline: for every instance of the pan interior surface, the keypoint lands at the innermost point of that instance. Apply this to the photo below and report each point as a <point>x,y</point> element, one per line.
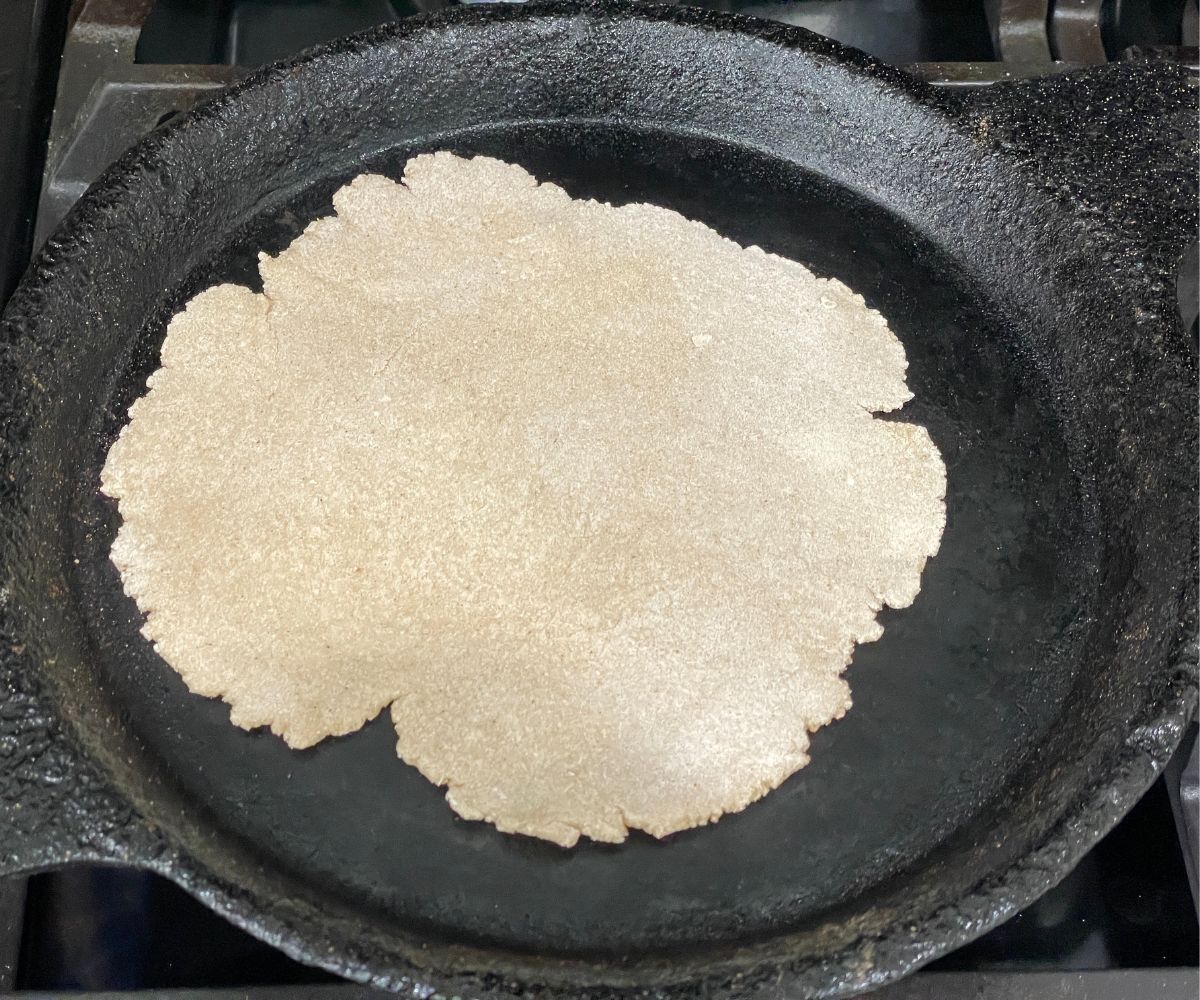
<point>948,705</point>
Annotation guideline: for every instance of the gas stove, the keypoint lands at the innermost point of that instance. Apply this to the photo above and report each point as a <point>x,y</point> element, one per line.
<point>1124,923</point>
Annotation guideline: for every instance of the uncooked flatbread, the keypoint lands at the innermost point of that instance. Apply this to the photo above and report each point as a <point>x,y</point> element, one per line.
<point>591,496</point>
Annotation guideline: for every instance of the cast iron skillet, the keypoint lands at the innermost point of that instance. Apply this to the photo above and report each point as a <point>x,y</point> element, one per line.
<point>1022,244</point>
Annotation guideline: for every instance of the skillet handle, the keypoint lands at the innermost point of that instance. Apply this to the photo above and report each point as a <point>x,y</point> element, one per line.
<point>55,805</point>
<point>1117,141</point>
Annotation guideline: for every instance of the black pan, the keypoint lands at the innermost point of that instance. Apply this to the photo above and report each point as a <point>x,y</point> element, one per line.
<point>1023,244</point>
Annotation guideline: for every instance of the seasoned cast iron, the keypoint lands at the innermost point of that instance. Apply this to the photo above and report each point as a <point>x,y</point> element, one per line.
<point>1023,244</point>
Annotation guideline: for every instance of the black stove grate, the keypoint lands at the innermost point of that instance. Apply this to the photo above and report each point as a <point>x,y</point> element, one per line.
<point>1123,924</point>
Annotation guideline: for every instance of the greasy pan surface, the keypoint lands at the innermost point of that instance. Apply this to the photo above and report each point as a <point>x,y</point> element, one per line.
<point>1000,726</point>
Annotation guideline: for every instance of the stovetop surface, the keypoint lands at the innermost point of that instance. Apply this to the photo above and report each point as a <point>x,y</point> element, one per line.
<point>1128,906</point>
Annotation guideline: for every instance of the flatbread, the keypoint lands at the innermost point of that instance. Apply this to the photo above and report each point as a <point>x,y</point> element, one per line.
<point>592,497</point>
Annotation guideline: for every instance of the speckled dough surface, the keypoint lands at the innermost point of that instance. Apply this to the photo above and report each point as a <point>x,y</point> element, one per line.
<point>592,497</point>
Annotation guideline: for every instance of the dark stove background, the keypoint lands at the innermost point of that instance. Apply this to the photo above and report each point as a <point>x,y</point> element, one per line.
<point>1129,905</point>
<point>252,32</point>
